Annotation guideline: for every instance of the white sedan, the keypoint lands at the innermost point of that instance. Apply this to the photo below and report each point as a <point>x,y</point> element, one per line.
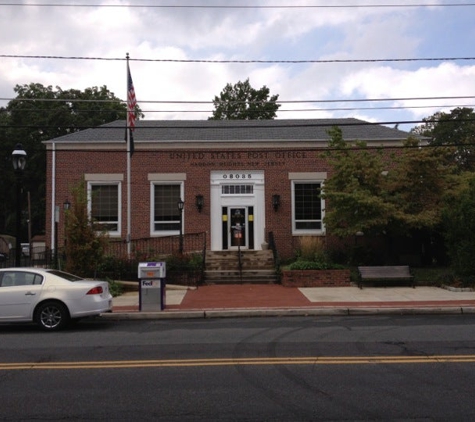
<point>51,298</point>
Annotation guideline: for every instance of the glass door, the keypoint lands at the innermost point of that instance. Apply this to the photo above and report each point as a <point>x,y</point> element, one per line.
<point>237,230</point>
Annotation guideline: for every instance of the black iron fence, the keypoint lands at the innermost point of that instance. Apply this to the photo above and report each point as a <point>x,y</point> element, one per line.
<point>37,257</point>
<point>120,260</point>
<point>187,268</point>
<point>157,246</point>
<point>273,248</point>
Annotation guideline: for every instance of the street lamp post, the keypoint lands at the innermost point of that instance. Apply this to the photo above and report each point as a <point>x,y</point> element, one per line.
<point>19,163</point>
<point>181,205</point>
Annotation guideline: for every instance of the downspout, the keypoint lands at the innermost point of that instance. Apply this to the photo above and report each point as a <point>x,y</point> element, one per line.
<point>53,195</point>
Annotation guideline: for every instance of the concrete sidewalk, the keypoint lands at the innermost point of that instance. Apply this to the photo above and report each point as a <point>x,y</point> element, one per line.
<point>267,300</point>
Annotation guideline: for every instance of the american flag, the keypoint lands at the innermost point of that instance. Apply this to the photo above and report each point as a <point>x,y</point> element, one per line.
<point>131,101</point>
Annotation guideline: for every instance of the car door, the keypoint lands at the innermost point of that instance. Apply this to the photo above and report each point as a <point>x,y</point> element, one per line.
<point>19,293</point>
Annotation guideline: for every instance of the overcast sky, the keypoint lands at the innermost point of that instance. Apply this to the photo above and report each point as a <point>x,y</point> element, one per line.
<point>427,30</point>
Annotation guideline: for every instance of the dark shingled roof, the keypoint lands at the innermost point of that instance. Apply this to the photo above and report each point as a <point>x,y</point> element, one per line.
<point>236,130</point>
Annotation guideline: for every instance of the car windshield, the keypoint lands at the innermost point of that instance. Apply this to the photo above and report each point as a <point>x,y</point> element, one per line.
<point>66,276</point>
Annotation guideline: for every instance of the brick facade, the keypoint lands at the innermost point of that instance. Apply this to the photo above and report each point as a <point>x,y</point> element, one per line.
<point>276,152</point>
<point>276,164</point>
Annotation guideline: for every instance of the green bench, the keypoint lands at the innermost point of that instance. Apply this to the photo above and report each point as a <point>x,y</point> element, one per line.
<point>385,274</point>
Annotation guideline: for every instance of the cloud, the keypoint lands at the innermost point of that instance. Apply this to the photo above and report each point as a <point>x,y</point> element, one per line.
<point>445,80</point>
<point>182,34</point>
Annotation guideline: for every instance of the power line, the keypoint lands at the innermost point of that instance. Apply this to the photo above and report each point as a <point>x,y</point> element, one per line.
<point>93,110</point>
<point>345,100</point>
<point>322,109</point>
<point>304,61</point>
<point>177,6</point>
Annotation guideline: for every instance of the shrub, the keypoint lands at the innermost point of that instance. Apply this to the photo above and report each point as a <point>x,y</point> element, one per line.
<point>184,269</point>
<point>117,268</point>
<point>121,268</point>
<point>185,262</point>
<point>454,280</point>
<point>312,255</point>
<point>314,265</point>
<point>312,249</point>
<point>115,288</point>
<point>459,221</point>
<point>84,245</point>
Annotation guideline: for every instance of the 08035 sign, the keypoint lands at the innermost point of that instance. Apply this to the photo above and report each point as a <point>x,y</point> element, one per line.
<point>237,176</point>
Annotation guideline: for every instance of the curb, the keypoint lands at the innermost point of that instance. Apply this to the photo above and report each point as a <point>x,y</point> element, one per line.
<point>133,286</point>
<point>249,313</point>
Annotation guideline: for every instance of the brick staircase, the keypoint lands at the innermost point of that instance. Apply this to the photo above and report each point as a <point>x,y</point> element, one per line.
<point>222,267</point>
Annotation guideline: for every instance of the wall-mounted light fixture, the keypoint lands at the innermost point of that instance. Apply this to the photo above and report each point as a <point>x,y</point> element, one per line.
<point>199,202</point>
<point>275,202</point>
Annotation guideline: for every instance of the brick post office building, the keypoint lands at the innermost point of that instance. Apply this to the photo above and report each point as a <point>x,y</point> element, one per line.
<point>259,176</point>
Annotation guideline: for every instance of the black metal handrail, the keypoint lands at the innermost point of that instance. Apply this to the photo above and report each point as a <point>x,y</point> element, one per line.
<point>275,254</point>
<point>240,261</point>
<point>203,265</point>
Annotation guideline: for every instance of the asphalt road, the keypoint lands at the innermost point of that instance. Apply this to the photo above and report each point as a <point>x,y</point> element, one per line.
<point>408,368</point>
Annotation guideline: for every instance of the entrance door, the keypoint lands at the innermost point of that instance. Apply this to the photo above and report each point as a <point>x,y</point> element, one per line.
<point>237,227</point>
<point>232,191</point>
<point>237,232</point>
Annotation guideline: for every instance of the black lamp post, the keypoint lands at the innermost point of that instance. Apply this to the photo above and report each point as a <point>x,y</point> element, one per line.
<point>181,205</point>
<point>19,163</point>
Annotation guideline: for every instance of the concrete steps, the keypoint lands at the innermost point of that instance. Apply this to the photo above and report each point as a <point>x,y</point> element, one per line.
<point>222,267</point>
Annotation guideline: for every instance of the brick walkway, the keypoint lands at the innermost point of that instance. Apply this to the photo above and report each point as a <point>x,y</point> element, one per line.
<point>242,296</point>
<point>274,296</point>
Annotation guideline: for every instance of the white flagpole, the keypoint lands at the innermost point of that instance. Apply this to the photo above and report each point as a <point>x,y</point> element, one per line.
<point>129,199</point>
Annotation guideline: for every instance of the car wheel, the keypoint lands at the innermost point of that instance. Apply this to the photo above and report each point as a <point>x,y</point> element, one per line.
<point>51,316</point>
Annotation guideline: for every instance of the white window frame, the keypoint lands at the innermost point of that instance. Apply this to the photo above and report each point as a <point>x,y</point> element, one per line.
<point>229,187</point>
<point>90,184</point>
<point>154,183</point>
<point>299,232</point>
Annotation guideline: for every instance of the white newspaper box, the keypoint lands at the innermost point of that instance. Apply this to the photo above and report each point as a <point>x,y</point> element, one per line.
<point>151,277</point>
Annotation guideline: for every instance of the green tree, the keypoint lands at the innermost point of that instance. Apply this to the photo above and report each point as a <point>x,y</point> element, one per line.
<point>84,244</point>
<point>242,102</point>
<point>39,113</point>
<point>459,223</point>
<point>417,184</point>
<point>457,129</point>
<point>396,194</point>
<point>356,191</point>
